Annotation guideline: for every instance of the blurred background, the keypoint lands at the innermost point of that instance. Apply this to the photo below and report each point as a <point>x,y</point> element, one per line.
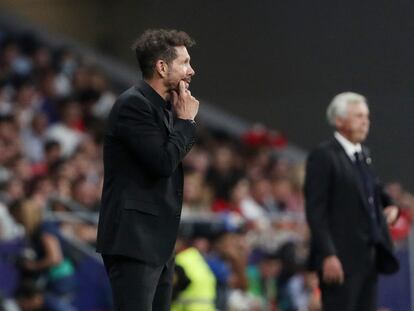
<point>265,73</point>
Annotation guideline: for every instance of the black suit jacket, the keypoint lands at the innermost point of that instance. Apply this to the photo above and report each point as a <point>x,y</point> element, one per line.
<point>338,213</point>
<point>143,178</point>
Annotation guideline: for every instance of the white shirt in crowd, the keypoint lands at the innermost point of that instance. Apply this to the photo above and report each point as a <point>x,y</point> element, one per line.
<point>69,139</point>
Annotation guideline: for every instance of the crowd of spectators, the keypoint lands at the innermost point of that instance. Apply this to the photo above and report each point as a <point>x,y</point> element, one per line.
<point>53,106</point>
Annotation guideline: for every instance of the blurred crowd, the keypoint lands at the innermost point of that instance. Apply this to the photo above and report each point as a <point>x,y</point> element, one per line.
<point>243,243</point>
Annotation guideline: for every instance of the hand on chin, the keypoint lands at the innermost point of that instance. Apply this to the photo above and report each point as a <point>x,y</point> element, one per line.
<point>186,84</point>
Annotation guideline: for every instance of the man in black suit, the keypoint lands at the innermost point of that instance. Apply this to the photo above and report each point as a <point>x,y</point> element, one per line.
<point>348,212</point>
<point>150,129</point>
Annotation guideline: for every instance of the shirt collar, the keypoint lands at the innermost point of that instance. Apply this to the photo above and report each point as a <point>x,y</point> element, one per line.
<point>349,147</point>
<point>152,95</point>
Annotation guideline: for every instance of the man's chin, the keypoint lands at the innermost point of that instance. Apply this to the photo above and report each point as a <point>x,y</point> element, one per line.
<point>362,138</point>
<point>174,88</point>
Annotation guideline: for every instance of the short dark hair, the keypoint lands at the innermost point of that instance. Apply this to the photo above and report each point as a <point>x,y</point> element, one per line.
<point>155,44</point>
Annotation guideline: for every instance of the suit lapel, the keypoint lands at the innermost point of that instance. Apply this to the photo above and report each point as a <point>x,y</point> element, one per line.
<point>162,115</point>
<point>368,162</point>
<point>351,171</point>
<point>156,101</point>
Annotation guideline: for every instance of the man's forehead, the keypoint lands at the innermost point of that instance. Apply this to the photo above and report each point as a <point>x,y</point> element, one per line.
<point>358,105</point>
<point>182,51</point>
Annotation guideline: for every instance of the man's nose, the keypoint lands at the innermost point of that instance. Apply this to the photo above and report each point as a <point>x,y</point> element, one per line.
<point>192,72</point>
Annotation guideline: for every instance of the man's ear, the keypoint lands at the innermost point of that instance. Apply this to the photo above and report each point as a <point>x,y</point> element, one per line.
<point>161,67</point>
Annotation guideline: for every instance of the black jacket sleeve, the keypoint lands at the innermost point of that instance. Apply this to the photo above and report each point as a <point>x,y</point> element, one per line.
<point>317,189</point>
<point>386,199</point>
<point>138,130</point>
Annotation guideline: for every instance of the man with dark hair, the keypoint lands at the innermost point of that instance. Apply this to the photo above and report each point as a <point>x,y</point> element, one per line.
<point>150,129</point>
<point>154,44</point>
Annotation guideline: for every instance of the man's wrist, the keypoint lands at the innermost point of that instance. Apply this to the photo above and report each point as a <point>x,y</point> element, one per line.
<point>189,120</point>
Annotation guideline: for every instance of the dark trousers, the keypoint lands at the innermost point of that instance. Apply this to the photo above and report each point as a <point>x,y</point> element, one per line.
<point>357,293</point>
<point>137,286</point>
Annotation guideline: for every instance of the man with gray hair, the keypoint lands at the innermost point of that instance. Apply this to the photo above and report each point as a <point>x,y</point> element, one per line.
<point>348,212</point>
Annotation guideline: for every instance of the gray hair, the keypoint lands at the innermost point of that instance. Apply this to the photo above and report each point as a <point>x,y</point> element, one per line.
<point>339,105</point>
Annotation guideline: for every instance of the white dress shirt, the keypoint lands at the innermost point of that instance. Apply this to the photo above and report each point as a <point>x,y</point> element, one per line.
<point>350,148</point>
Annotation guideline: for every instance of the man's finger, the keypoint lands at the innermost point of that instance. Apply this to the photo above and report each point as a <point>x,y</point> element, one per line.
<point>181,87</point>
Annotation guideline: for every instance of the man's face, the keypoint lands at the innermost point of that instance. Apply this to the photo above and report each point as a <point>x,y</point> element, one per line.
<point>179,69</point>
<point>355,125</point>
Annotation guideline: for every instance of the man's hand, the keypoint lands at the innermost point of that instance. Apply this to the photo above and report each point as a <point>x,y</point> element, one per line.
<point>332,270</point>
<point>184,105</point>
<point>391,214</point>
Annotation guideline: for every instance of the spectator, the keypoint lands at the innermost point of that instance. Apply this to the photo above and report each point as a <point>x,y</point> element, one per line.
<point>67,132</point>
<point>263,279</point>
<point>49,263</point>
<point>222,171</point>
<point>228,261</point>
<point>31,297</point>
<point>199,290</point>
<point>9,229</point>
<point>196,196</point>
<point>33,138</point>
